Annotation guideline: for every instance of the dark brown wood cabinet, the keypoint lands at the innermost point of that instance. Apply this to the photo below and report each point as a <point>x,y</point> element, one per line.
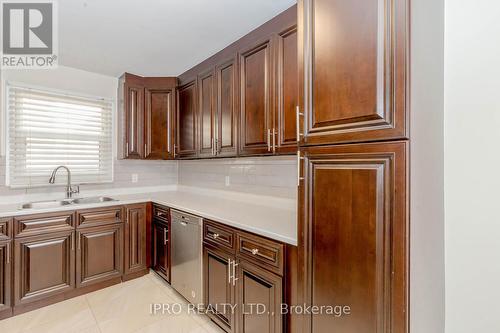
<point>256,102</point>
<point>355,229</point>
<point>226,89</point>
<point>44,266</point>
<point>259,295</point>
<point>218,289</point>
<point>145,116</point>
<point>161,249</point>
<point>287,91</point>
<point>207,114</point>
<point>242,270</point>
<point>135,239</point>
<point>186,119</point>
<point>5,278</point>
<point>158,123</point>
<point>354,70</point>
<point>99,254</point>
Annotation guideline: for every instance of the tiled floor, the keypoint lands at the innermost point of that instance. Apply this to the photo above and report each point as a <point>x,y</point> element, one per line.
<point>122,308</point>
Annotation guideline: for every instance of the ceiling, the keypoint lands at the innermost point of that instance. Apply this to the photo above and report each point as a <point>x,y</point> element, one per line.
<point>154,37</point>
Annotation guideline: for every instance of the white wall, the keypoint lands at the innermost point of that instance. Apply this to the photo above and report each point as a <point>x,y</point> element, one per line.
<point>472,164</point>
<point>151,173</point>
<point>427,274</point>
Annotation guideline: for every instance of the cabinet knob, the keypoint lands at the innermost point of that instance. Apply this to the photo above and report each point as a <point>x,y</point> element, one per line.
<point>215,236</point>
<point>255,251</point>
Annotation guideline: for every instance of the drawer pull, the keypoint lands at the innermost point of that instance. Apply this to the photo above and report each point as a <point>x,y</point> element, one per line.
<point>160,214</point>
<point>215,236</point>
<point>255,251</point>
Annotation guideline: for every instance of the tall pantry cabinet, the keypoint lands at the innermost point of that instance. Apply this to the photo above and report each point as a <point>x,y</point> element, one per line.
<point>353,164</point>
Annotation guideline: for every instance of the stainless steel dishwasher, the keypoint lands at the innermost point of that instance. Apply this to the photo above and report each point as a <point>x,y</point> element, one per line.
<point>187,256</point>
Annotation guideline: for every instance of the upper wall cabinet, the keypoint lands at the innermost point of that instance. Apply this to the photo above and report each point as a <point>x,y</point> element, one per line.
<point>145,117</point>
<point>186,117</point>
<point>256,129</point>
<point>353,69</point>
<point>246,96</point>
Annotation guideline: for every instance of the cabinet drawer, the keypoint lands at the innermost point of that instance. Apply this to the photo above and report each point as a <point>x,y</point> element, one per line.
<point>99,216</point>
<point>5,228</point>
<point>42,223</point>
<point>216,234</point>
<point>161,213</point>
<point>260,251</point>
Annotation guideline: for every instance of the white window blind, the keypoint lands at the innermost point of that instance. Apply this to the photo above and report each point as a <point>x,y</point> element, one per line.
<point>48,129</point>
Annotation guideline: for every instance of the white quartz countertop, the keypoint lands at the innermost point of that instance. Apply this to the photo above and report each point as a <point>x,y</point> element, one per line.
<point>271,217</point>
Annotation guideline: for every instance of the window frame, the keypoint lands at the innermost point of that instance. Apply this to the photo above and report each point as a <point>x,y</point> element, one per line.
<point>6,137</point>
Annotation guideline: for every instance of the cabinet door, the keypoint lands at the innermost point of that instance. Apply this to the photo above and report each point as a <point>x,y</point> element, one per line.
<point>134,121</point>
<point>255,100</point>
<point>227,108</point>
<point>354,220</point>
<point>135,239</point>
<point>161,257</point>
<point>354,70</point>
<point>259,299</point>
<point>287,91</point>
<point>186,121</point>
<point>44,266</point>
<point>207,135</point>
<point>158,123</point>
<point>218,287</point>
<point>99,254</point>
<point>5,275</point>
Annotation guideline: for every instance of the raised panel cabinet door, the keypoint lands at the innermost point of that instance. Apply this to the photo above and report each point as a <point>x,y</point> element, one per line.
<point>99,254</point>
<point>134,121</point>
<point>186,117</point>
<point>354,72</point>
<point>287,91</point>
<point>259,299</point>
<point>227,108</point>
<point>207,114</point>
<point>5,275</point>
<point>161,257</point>
<point>158,123</point>
<point>44,266</point>
<point>218,287</point>
<point>135,238</point>
<point>256,120</point>
<point>354,220</point>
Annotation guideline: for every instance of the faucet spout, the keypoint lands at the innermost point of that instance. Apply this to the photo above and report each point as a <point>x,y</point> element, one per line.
<point>69,188</point>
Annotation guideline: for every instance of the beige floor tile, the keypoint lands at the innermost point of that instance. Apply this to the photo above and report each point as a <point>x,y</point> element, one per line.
<point>72,310</point>
<point>174,324</point>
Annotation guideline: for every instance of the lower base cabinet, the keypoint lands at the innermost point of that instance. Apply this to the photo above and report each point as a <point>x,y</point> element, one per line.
<point>135,239</point>
<point>5,276</point>
<point>44,266</point>
<point>161,262</point>
<point>243,280</point>
<point>218,287</point>
<point>259,295</point>
<point>99,254</point>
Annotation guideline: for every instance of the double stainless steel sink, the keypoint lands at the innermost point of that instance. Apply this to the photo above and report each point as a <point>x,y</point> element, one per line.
<point>65,202</point>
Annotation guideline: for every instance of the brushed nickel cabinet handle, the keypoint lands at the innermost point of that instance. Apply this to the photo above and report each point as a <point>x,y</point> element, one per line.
<point>234,273</point>
<point>268,139</point>
<point>8,253</point>
<point>298,114</point>
<point>79,243</point>
<point>299,163</point>
<point>164,236</point>
<point>229,261</point>
<point>274,140</point>
<point>72,242</point>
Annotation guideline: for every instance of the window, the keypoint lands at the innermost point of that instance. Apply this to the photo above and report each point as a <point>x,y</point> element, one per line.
<point>48,129</point>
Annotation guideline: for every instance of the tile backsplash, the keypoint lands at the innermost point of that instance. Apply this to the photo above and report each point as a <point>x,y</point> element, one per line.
<point>149,173</point>
<point>274,176</point>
